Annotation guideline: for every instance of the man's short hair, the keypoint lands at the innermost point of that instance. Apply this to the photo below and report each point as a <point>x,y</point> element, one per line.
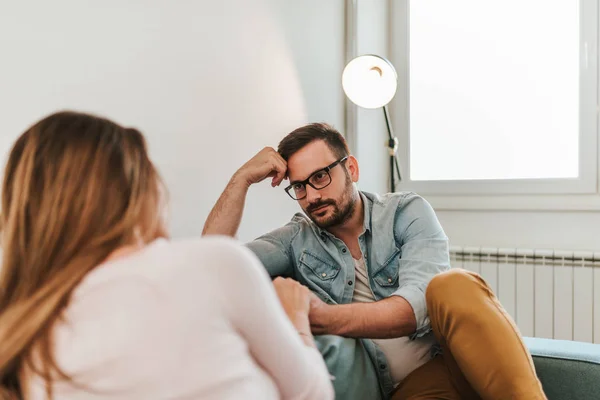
<point>306,134</point>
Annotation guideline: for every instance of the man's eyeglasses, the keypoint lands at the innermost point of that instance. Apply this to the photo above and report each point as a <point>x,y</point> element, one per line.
<point>317,180</point>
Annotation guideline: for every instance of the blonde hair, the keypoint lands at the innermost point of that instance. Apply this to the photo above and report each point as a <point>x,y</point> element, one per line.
<point>76,187</point>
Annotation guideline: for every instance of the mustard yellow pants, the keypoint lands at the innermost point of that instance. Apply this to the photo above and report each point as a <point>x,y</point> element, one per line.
<point>483,354</point>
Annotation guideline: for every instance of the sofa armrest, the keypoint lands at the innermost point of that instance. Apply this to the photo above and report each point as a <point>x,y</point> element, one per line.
<point>567,369</point>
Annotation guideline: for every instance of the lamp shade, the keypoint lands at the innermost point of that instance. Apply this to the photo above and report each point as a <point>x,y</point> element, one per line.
<point>370,81</point>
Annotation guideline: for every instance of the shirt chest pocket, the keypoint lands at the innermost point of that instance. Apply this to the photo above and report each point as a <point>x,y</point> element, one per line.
<point>317,269</point>
<point>387,275</point>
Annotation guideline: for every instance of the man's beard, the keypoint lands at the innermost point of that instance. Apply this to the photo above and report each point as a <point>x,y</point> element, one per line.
<point>339,215</point>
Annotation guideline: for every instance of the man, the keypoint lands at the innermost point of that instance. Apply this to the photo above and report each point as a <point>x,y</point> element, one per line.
<point>376,265</point>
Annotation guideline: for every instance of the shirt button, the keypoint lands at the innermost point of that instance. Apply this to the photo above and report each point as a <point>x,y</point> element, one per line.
<point>390,280</point>
<point>323,274</point>
<point>349,283</point>
<point>344,250</point>
<point>382,366</point>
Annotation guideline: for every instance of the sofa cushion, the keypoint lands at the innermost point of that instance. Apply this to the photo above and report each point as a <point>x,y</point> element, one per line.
<point>567,369</point>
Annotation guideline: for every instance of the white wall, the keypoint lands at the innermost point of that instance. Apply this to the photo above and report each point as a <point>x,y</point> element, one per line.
<point>563,230</point>
<point>314,33</point>
<point>209,82</point>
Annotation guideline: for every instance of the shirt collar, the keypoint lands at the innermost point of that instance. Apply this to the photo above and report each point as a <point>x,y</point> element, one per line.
<point>367,206</point>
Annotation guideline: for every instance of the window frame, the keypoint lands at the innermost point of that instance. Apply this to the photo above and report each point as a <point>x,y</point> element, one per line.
<point>586,183</point>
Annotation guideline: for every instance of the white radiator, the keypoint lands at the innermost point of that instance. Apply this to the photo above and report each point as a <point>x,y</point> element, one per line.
<point>549,293</point>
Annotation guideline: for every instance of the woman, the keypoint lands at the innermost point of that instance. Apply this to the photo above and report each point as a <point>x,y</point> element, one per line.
<point>95,303</point>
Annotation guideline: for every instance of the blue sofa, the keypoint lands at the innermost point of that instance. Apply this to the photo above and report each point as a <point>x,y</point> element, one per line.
<point>568,370</point>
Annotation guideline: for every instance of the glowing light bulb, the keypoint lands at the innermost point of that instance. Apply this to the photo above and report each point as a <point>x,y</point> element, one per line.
<point>369,81</point>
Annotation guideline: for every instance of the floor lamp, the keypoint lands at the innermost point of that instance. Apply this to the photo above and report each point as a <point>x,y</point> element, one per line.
<point>370,81</point>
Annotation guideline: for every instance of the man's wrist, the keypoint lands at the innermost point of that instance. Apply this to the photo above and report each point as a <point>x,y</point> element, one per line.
<point>322,319</point>
<point>238,180</point>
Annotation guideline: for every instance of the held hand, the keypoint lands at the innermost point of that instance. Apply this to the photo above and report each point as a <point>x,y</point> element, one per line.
<point>295,300</point>
<point>267,163</point>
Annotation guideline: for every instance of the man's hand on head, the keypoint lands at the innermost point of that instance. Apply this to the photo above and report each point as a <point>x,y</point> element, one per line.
<point>267,163</point>
<point>226,215</point>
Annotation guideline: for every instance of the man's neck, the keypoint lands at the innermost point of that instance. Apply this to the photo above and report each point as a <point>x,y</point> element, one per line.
<point>353,227</point>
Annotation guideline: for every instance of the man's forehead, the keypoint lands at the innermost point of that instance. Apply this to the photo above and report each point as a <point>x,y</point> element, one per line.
<point>309,159</point>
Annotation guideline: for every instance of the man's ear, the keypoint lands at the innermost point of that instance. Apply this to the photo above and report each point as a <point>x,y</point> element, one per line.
<point>352,167</point>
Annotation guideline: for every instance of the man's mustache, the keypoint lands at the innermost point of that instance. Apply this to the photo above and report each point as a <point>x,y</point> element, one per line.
<point>319,204</point>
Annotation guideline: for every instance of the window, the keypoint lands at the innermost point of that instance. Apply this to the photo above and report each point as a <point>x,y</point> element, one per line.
<point>501,95</point>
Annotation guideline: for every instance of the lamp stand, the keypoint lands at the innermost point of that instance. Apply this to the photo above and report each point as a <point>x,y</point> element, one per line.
<point>392,149</point>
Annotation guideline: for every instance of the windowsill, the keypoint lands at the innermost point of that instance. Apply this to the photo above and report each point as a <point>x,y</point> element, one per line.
<point>587,184</point>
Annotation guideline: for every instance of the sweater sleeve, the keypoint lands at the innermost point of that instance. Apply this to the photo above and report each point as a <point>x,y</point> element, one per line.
<point>255,311</point>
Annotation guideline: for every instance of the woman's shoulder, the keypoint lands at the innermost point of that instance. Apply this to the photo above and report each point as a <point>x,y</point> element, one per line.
<point>163,257</point>
<point>220,254</point>
<point>173,272</point>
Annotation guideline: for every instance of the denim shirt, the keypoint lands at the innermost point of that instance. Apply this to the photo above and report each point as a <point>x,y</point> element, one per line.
<point>403,244</point>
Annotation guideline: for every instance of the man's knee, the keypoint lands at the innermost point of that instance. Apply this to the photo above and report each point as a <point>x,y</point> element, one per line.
<point>455,286</point>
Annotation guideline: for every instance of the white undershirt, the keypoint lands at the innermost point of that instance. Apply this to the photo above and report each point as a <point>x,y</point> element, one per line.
<point>403,355</point>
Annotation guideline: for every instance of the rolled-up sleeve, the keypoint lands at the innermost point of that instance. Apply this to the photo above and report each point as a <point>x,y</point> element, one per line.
<point>273,250</point>
<point>424,254</point>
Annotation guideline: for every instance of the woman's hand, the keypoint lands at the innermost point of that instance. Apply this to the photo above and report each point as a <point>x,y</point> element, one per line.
<point>295,300</point>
